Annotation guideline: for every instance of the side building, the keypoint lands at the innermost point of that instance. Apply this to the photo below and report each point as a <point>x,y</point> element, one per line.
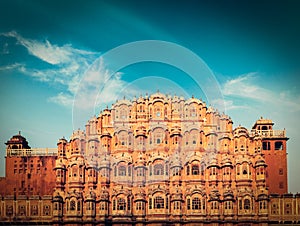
<point>26,190</point>
<point>160,160</point>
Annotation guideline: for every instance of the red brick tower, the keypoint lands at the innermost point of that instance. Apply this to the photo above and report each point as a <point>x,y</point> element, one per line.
<point>274,150</point>
<point>28,171</point>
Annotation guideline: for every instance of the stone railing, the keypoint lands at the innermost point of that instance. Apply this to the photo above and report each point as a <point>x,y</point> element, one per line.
<point>268,133</point>
<point>32,152</point>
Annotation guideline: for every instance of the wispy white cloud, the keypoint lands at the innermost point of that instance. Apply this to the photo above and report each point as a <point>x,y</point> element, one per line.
<point>69,68</point>
<point>64,99</point>
<point>243,86</point>
<point>247,88</point>
<point>50,53</point>
<point>100,86</point>
<point>289,100</point>
<point>11,67</point>
<point>229,104</point>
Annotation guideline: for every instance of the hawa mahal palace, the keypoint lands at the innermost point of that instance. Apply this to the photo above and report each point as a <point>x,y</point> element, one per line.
<point>153,160</point>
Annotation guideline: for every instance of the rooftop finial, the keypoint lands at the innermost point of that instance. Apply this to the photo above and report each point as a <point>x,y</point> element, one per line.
<point>19,132</point>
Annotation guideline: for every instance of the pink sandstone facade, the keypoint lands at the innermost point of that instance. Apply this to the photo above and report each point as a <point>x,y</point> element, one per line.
<point>154,160</point>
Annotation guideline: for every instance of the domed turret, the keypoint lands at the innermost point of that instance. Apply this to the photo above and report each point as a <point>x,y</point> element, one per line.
<point>17,142</point>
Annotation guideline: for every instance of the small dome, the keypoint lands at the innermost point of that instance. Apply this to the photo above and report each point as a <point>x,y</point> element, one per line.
<point>260,162</point>
<point>213,162</point>
<point>176,130</point>
<point>18,142</point>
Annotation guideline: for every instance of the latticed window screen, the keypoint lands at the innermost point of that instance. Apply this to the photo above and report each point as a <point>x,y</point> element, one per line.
<point>196,203</point>
<point>121,204</point>
<point>158,202</point>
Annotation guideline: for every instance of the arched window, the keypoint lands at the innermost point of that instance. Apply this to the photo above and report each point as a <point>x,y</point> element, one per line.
<point>140,205</point>
<point>123,114</point>
<point>74,170</point>
<point>247,204</point>
<point>196,203</point>
<point>193,112</point>
<point>194,136</point>
<point>122,171</point>
<point>262,205</point>
<point>121,204</point>
<point>158,169</point>
<point>158,112</point>
<point>213,170</point>
<point>140,172</point>
<point>123,138</point>
<point>158,135</point>
<point>245,171</point>
<point>195,169</point>
<point>72,205</point>
<point>89,206</point>
<point>228,205</point>
<point>158,202</point>
<point>214,205</point>
<point>176,171</point>
<point>177,205</point>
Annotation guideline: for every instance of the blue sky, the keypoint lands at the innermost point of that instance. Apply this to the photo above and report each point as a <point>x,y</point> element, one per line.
<point>46,47</point>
